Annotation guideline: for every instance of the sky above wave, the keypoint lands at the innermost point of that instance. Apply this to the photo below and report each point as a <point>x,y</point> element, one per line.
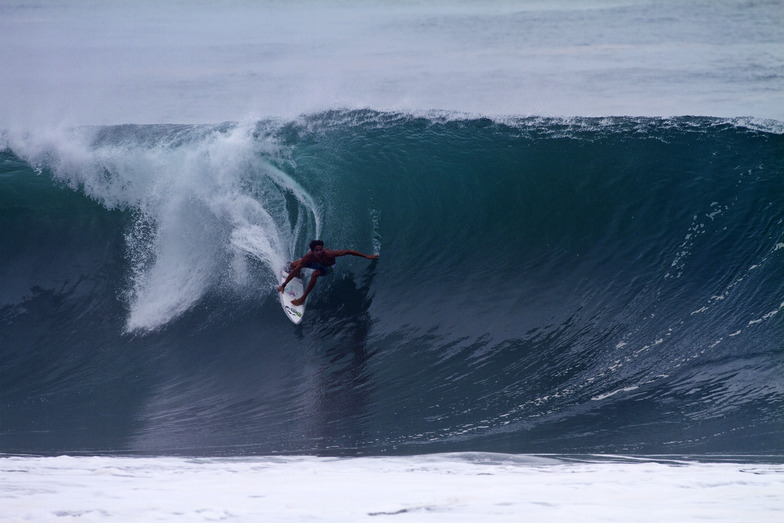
<point>199,62</point>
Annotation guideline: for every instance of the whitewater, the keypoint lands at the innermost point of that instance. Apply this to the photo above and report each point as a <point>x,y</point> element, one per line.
<point>577,310</point>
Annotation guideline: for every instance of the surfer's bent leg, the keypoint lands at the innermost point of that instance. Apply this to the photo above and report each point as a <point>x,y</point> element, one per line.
<point>311,284</point>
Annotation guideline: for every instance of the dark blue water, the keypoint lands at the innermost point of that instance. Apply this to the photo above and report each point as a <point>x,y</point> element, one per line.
<point>544,285</point>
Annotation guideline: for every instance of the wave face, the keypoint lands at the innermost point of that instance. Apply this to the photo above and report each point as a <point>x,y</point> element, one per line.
<point>544,285</point>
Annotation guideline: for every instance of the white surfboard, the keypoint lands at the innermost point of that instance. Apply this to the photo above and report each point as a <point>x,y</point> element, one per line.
<point>292,291</point>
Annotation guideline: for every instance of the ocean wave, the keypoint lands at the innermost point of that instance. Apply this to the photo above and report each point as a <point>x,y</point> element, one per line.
<point>545,284</point>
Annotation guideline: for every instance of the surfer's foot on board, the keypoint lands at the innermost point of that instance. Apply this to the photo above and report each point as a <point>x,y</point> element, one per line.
<point>298,301</point>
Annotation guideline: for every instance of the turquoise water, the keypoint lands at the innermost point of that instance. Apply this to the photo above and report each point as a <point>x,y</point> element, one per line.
<point>544,285</point>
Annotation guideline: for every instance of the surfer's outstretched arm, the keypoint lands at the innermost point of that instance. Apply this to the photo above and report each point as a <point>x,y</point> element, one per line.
<point>345,252</point>
<point>322,261</point>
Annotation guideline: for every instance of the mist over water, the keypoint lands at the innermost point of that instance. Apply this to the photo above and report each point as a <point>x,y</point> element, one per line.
<point>76,63</point>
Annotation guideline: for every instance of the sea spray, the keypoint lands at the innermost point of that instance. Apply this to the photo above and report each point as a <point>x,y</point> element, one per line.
<point>203,199</point>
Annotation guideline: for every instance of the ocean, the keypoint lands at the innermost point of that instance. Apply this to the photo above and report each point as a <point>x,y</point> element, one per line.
<point>578,209</point>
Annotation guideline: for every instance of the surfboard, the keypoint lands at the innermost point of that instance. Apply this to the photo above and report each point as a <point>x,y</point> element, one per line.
<point>293,291</point>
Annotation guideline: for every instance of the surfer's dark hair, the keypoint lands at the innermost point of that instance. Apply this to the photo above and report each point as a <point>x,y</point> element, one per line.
<point>316,243</point>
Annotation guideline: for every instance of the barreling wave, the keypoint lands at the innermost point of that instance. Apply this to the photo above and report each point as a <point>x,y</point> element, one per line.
<point>563,285</point>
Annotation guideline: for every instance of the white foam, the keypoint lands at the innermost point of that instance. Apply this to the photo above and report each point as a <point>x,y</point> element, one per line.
<point>446,487</point>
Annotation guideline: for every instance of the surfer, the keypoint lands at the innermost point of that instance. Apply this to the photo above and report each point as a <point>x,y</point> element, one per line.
<point>321,260</point>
